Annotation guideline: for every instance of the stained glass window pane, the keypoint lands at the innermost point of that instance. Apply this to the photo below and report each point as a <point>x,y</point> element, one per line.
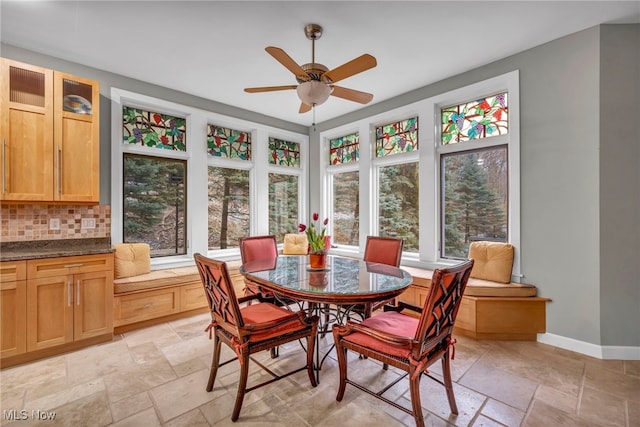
<point>284,153</point>
<point>154,129</point>
<point>228,207</point>
<point>481,118</point>
<point>398,137</point>
<point>345,149</point>
<point>230,143</point>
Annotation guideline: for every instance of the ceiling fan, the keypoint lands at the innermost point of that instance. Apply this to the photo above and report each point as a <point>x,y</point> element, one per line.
<point>315,81</point>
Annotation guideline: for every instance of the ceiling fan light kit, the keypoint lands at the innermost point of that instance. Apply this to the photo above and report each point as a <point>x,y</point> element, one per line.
<point>313,92</point>
<point>315,81</point>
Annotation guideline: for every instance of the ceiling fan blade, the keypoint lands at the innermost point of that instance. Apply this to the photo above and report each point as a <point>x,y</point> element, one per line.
<point>268,88</point>
<point>304,108</point>
<point>291,65</point>
<point>353,67</point>
<point>352,95</point>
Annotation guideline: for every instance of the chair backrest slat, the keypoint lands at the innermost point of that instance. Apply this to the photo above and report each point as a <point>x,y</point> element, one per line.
<point>443,301</point>
<point>220,293</point>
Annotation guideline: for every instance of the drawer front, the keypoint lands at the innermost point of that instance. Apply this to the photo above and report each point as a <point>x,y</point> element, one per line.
<point>134,308</point>
<point>192,296</point>
<point>10,271</point>
<point>51,267</point>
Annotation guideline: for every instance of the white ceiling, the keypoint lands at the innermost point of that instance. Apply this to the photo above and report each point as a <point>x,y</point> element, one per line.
<point>214,49</point>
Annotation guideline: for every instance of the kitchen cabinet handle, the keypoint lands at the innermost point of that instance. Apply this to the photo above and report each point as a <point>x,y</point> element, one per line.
<point>149,305</point>
<point>59,171</point>
<point>69,293</point>
<point>79,264</point>
<point>78,292</point>
<point>4,162</point>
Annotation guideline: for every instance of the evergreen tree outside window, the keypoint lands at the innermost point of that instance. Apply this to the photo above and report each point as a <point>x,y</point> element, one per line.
<point>346,208</point>
<point>398,203</point>
<point>154,199</point>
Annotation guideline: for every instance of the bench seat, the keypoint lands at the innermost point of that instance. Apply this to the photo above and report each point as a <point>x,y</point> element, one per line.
<point>478,287</point>
<point>489,310</point>
<point>162,295</point>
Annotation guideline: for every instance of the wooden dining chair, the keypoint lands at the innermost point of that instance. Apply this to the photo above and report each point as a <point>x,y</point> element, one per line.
<point>250,329</point>
<point>383,250</point>
<point>408,343</point>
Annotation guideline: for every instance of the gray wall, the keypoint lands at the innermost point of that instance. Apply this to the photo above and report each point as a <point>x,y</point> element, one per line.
<point>580,191</point>
<point>579,170</point>
<point>619,185</point>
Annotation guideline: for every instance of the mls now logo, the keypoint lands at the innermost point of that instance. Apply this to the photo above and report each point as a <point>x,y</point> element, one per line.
<point>23,414</point>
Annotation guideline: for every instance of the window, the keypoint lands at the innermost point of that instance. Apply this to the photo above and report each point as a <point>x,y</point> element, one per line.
<point>474,199</point>
<point>154,202</point>
<point>344,193</point>
<point>439,173</point>
<point>398,203</point>
<point>283,205</point>
<point>186,180</point>
<point>346,208</point>
<point>284,187</point>
<point>228,207</point>
<point>398,181</point>
<point>228,204</point>
<point>474,177</point>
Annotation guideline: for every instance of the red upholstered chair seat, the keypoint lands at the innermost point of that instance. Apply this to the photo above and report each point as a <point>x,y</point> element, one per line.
<point>257,314</point>
<point>390,323</point>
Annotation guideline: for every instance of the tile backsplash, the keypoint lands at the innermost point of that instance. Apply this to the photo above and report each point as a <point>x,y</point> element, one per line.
<point>26,222</point>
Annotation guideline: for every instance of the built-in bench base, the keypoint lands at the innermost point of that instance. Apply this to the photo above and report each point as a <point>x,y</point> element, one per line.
<point>489,310</point>
<point>162,295</point>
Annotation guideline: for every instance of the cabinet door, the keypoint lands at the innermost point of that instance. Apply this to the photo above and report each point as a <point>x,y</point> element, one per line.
<point>13,318</point>
<point>93,305</point>
<point>77,143</point>
<point>49,312</point>
<point>26,103</point>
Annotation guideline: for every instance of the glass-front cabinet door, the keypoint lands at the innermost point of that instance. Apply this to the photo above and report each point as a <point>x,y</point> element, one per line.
<point>76,157</point>
<point>27,132</point>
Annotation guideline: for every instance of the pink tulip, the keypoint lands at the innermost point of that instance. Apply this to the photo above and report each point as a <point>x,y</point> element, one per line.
<point>315,216</point>
<point>302,227</point>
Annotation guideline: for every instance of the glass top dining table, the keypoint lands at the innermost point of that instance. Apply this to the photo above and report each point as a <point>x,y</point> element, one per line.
<point>344,281</point>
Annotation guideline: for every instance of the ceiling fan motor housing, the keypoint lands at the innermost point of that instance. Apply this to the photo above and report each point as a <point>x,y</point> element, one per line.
<point>315,71</point>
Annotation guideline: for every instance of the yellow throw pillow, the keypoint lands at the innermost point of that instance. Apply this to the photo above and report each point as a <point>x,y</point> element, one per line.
<point>295,244</point>
<point>493,261</point>
<point>131,259</point>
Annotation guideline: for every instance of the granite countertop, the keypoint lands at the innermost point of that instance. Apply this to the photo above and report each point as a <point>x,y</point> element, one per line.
<point>14,251</point>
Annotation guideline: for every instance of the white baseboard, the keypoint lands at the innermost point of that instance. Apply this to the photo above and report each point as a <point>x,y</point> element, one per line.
<point>589,349</point>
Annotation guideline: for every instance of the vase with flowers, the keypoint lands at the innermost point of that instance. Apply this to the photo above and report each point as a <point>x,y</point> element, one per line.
<point>316,238</point>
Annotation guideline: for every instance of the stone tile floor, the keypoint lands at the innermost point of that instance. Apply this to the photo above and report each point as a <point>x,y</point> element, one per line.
<point>157,376</point>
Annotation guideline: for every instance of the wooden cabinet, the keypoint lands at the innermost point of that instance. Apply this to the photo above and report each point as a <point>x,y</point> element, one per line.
<point>50,135</point>
<point>13,308</point>
<point>68,299</point>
